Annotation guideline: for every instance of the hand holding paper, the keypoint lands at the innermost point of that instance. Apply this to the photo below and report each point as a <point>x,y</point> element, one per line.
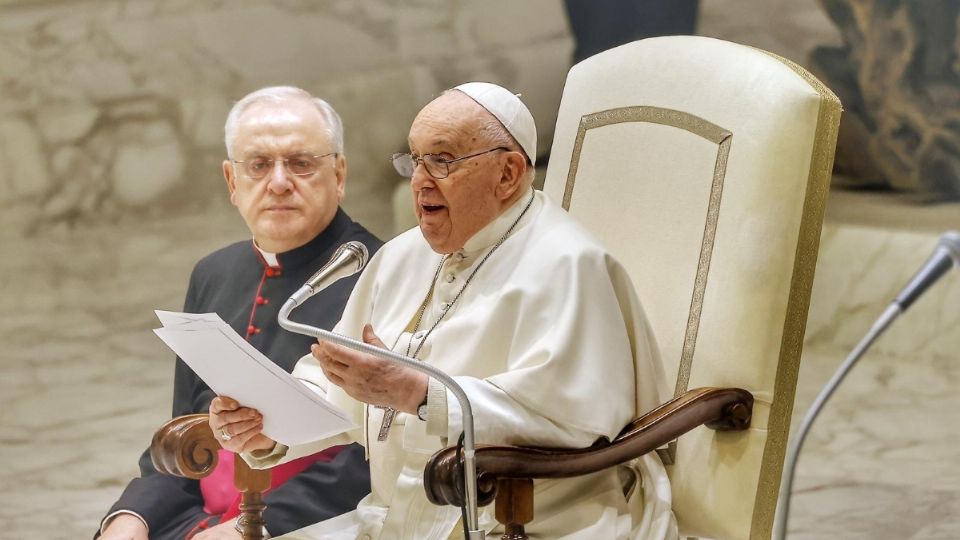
<point>239,428</point>
<point>292,413</point>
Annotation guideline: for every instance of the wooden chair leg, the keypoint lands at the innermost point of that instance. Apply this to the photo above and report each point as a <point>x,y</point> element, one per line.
<point>251,483</point>
<point>514,506</point>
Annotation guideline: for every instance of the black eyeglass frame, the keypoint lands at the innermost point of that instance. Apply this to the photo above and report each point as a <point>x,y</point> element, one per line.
<point>439,160</point>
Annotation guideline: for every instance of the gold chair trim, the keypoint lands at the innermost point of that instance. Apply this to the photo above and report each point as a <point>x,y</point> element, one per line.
<point>798,302</point>
<point>702,128</point>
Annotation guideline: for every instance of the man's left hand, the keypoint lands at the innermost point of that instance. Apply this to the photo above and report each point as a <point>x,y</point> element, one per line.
<point>369,379</point>
<point>224,531</point>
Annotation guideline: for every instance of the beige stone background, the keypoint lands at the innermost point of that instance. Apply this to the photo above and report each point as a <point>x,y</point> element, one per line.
<point>111,115</point>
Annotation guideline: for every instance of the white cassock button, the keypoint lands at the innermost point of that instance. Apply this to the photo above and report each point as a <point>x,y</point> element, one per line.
<point>459,256</point>
<point>418,335</point>
<point>445,306</point>
<point>451,277</point>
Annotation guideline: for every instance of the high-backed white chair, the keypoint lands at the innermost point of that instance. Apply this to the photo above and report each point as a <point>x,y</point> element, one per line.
<point>704,166</point>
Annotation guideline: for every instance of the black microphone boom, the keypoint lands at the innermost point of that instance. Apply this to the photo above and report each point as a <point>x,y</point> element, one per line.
<point>349,259</point>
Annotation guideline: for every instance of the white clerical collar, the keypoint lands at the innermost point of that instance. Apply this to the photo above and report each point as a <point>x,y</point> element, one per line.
<point>494,230</point>
<point>269,258</point>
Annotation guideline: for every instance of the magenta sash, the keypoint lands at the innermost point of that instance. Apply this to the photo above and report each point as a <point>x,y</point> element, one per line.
<point>220,496</point>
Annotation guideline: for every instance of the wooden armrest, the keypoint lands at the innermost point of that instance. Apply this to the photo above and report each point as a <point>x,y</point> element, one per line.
<point>723,409</point>
<point>185,446</point>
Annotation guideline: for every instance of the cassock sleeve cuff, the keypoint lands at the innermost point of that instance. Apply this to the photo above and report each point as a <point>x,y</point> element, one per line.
<point>282,453</point>
<point>437,421</point>
<point>264,459</point>
<point>106,521</point>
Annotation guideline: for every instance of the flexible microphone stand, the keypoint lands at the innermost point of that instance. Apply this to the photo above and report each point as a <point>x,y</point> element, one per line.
<point>786,485</point>
<point>472,528</point>
<point>945,257</point>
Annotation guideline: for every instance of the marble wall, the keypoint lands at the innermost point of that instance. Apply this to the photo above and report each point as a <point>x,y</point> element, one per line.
<point>116,107</point>
<point>863,269</point>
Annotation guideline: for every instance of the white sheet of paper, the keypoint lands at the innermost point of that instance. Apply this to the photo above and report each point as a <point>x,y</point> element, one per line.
<point>292,413</point>
<point>173,318</point>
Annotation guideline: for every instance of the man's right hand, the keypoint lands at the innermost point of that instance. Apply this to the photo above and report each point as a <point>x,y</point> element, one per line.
<point>125,527</point>
<point>238,429</point>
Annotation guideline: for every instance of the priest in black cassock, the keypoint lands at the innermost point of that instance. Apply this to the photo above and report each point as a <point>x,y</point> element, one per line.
<point>286,175</point>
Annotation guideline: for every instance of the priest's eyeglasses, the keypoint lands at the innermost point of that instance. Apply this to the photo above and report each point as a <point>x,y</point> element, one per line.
<point>302,165</point>
<point>438,167</point>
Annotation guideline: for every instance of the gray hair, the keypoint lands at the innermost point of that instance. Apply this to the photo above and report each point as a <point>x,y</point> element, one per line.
<point>493,131</point>
<point>281,94</point>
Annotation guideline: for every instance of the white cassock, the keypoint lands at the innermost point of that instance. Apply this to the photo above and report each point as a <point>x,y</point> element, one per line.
<point>551,346</point>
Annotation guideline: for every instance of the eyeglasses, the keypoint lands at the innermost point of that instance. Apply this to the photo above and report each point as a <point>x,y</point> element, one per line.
<point>436,166</point>
<point>301,165</point>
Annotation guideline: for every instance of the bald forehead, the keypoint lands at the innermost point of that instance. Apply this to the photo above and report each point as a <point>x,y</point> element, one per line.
<point>451,120</point>
<point>271,125</point>
<point>288,110</point>
<point>455,100</point>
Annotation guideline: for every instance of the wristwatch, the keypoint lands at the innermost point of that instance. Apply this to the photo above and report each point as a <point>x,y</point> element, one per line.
<point>422,408</point>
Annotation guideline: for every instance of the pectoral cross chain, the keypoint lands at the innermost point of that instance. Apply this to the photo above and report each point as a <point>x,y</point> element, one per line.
<point>388,414</point>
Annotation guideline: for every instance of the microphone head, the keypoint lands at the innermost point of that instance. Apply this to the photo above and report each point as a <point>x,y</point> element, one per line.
<point>950,241</point>
<point>945,257</point>
<point>359,251</point>
<point>347,260</point>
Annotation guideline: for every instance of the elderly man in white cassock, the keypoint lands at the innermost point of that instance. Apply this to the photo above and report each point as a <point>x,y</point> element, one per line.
<point>500,288</point>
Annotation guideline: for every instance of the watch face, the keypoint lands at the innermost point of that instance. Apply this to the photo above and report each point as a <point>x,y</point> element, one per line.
<point>422,412</point>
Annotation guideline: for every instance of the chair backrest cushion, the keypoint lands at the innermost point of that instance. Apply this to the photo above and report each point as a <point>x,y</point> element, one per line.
<point>704,166</point>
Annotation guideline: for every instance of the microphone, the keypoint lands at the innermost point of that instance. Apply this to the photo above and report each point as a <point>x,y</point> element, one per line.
<point>349,259</point>
<point>945,256</point>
